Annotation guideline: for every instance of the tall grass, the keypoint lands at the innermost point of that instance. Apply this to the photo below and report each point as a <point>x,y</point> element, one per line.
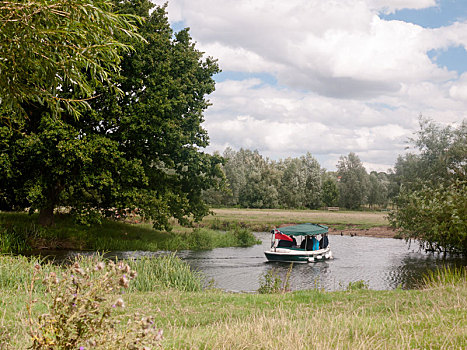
<point>164,272</point>
<point>445,276</point>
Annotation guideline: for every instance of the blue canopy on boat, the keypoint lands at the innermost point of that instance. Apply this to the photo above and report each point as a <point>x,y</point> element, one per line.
<point>303,230</point>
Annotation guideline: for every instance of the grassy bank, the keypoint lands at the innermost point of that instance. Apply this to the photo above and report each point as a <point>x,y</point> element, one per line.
<point>264,219</point>
<point>432,317</point>
<point>19,232</point>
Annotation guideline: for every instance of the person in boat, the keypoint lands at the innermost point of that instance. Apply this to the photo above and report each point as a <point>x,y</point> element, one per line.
<point>324,241</point>
<point>315,243</point>
<point>285,243</point>
<point>311,243</point>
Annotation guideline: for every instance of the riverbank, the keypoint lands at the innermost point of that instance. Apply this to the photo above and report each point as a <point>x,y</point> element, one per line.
<point>431,317</point>
<point>224,228</point>
<point>20,233</point>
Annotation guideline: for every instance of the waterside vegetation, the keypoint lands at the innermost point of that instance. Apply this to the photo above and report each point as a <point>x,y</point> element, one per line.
<point>182,317</point>
<point>20,233</point>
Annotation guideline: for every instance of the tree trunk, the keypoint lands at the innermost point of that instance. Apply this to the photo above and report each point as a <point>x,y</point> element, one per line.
<point>46,215</point>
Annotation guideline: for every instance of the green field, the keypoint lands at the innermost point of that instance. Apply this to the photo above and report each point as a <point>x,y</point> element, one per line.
<point>433,317</point>
<point>264,219</point>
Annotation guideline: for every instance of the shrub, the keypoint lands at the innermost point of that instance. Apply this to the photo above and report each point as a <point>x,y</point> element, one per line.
<point>244,237</point>
<point>358,285</point>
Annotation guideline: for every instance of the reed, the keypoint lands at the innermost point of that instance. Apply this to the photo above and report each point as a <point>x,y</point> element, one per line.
<point>445,276</point>
<point>167,271</point>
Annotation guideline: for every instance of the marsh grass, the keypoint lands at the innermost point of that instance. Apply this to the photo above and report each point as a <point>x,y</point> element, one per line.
<point>445,276</point>
<point>164,272</point>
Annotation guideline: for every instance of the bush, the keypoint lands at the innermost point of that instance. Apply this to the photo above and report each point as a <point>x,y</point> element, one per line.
<point>244,237</point>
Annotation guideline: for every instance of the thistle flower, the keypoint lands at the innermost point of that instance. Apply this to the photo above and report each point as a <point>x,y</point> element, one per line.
<point>123,281</point>
<point>119,302</point>
<point>159,335</point>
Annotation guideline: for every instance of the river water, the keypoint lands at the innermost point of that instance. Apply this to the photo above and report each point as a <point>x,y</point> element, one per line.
<point>382,263</point>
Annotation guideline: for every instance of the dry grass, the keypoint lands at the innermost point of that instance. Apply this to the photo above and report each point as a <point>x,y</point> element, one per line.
<point>264,219</point>
<point>355,320</point>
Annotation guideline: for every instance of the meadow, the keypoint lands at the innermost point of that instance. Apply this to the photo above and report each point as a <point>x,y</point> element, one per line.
<point>186,317</point>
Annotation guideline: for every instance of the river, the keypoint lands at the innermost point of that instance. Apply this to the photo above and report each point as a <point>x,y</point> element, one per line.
<point>382,263</point>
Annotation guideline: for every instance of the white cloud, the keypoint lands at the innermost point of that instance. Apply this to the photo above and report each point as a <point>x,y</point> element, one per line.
<point>390,6</point>
<point>347,79</point>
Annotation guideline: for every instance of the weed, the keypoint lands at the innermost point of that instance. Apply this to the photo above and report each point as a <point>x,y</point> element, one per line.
<point>244,237</point>
<point>82,308</point>
<point>271,282</point>
<point>167,271</point>
<point>358,285</point>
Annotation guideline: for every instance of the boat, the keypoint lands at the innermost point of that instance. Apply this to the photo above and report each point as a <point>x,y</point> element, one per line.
<point>313,244</point>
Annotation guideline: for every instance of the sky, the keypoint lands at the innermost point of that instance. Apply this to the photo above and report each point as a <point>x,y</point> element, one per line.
<point>329,77</point>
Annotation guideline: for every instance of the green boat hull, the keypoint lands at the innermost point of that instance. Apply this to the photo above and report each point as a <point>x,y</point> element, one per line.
<point>298,256</point>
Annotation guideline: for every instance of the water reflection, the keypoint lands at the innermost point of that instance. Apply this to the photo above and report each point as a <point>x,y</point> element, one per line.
<point>383,263</point>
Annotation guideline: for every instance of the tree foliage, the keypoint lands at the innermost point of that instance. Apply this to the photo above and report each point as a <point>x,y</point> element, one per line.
<point>300,182</point>
<point>46,45</point>
<point>330,192</point>
<point>353,185</point>
<point>137,150</point>
<point>432,204</point>
<point>436,216</point>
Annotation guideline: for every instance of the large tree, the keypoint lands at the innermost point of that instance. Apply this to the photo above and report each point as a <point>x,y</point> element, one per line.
<point>139,149</point>
<point>300,183</point>
<point>432,203</point>
<point>353,184</point>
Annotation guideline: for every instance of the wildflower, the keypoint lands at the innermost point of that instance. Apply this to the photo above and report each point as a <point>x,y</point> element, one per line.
<point>100,266</point>
<point>119,302</point>
<point>159,335</point>
<point>53,278</point>
<point>123,281</point>
<point>37,267</point>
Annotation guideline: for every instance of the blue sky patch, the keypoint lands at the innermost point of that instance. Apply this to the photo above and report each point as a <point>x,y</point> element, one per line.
<point>454,59</point>
<point>266,78</point>
<point>178,26</point>
<point>447,12</point>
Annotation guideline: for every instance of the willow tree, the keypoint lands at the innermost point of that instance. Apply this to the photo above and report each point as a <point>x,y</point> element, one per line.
<point>432,203</point>
<point>46,45</point>
<point>139,149</point>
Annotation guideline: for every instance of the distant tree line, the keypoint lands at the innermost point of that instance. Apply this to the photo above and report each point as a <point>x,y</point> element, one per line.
<point>254,181</point>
